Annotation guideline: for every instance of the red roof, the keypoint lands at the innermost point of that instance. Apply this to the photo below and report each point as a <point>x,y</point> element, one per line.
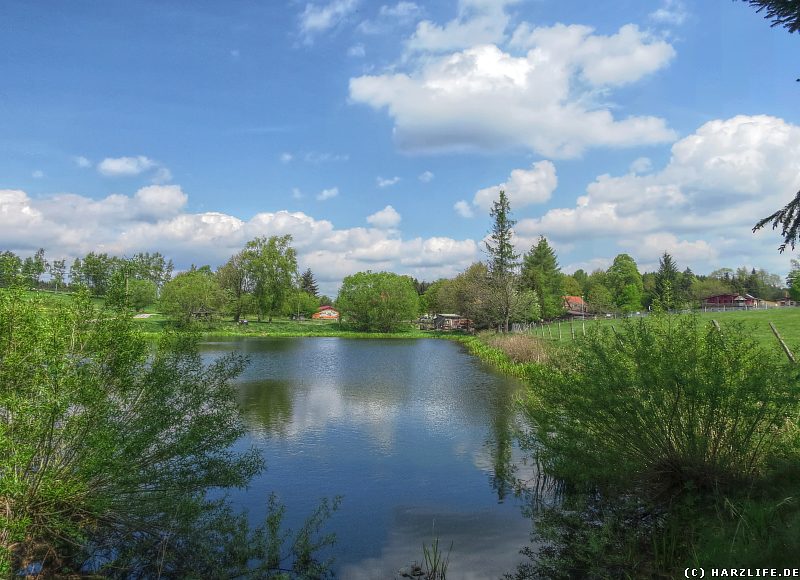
<point>575,300</point>
<point>326,307</point>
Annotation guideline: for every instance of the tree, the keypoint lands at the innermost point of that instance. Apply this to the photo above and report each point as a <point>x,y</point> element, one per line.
<point>271,264</point>
<point>104,437</point>
<point>625,284</point>
<point>234,280</point>
<point>10,269</point>
<point>503,261</point>
<point>190,292</point>
<point>308,284</point>
<point>784,13</point>
<point>600,298</point>
<point>141,293</point>
<point>377,301</point>
<point>58,271</point>
<point>33,267</point>
<point>571,286</point>
<point>541,273</point>
<point>666,283</point>
<point>96,270</point>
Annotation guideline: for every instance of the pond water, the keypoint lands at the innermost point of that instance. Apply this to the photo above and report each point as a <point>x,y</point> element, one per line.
<point>414,434</point>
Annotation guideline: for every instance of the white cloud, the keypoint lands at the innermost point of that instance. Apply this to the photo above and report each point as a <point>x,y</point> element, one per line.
<point>641,165</point>
<point>484,98</point>
<point>328,193</point>
<point>426,176</point>
<point>523,187</point>
<point>463,209</point>
<point>387,182</point>
<point>132,166</point>
<point>297,194</point>
<point>316,18</point>
<point>671,12</point>
<point>318,157</point>
<point>357,51</point>
<point>125,166</point>
<point>82,162</point>
<point>286,157</point>
<point>389,17</point>
<point>478,22</point>
<point>717,183</point>
<point>154,220</point>
<point>385,218</point>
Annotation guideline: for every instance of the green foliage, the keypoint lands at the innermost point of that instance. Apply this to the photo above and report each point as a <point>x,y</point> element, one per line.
<point>541,273</point>
<point>784,13</point>
<point>502,259</point>
<point>625,284</point>
<point>308,284</point>
<point>190,292</point>
<point>102,435</point>
<point>436,561</point>
<point>665,294</point>
<point>271,264</point>
<point>793,280</point>
<point>377,301</point>
<point>670,401</point>
<point>234,281</point>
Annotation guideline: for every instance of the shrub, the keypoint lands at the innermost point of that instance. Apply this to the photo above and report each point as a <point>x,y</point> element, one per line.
<point>667,400</point>
<point>103,434</point>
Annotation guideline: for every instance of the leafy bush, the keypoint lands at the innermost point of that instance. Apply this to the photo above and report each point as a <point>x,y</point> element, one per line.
<point>110,445</point>
<point>377,301</point>
<point>668,400</point>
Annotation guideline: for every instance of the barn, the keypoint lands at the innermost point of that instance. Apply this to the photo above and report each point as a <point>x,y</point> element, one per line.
<point>733,300</point>
<point>326,313</point>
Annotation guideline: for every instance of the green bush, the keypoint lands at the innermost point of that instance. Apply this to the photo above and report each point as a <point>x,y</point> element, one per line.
<point>101,433</point>
<point>668,401</point>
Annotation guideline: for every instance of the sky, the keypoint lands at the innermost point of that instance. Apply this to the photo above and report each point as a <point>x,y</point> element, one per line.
<point>379,134</point>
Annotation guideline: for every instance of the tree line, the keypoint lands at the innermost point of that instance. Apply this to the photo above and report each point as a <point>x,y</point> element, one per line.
<point>263,279</point>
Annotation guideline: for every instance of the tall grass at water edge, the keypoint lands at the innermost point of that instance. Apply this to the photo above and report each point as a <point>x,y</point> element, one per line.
<point>680,438</point>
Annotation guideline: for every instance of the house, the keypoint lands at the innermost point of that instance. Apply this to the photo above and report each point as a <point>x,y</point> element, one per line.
<point>732,300</point>
<point>326,313</point>
<point>451,322</point>
<point>202,313</point>
<point>575,306</point>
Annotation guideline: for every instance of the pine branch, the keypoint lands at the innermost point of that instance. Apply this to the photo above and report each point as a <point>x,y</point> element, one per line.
<point>789,219</point>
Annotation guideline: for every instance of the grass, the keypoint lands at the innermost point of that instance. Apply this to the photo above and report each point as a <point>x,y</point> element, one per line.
<point>755,322</point>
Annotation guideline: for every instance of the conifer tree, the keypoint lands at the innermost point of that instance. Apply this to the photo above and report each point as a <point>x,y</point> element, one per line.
<point>308,284</point>
<point>541,273</point>
<point>666,288</point>
<point>503,261</point>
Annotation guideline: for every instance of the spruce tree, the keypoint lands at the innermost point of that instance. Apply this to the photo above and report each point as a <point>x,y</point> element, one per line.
<point>541,273</point>
<point>308,284</point>
<point>503,261</point>
<point>666,290</point>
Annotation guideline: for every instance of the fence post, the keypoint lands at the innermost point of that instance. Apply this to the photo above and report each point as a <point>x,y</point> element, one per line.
<point>559,331</point>
<point>583,324</point>
<point>783,344</point>
<point>550,330</point>
<point>572,328</point>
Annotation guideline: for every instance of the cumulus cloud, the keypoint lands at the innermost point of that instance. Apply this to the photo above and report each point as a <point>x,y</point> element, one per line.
<point>328,193</point>
<point>286,157</point>
<point>387,182</point>
<point>463,209</point>
<point>389,17</point>
<point>385,218</point>
<point>154,219</point>
<point>318,18</point>
<point>523,187</point>
<point>671,12</point>
<point>717,183</point>
<point>357,51</point>
<point>540,97</point>
<point>82,162</point>
<point>426,176</point>
<point>641,165</point>
<point>132,166</point>
<point>478,22</point>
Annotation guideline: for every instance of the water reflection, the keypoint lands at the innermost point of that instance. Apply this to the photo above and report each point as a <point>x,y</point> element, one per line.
<point>410,432</point>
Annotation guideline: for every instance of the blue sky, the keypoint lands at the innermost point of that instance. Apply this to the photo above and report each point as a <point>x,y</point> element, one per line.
<point>378,134</point>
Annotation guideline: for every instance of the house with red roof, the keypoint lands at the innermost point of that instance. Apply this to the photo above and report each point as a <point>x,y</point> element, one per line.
<point>326,313</point>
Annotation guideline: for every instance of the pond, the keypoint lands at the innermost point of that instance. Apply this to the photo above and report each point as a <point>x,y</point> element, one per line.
<point>414,434</point>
